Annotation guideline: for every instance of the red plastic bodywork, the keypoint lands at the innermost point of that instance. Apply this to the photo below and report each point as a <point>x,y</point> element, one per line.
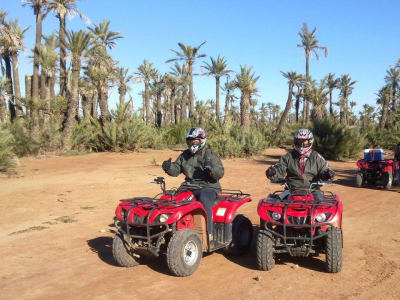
<point>302,209</point>
<point>386,165</point>
<point>183,215</point>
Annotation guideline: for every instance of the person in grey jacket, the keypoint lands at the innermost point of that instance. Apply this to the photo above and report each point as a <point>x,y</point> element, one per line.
<point>201,167</point>
<point>301,166</point>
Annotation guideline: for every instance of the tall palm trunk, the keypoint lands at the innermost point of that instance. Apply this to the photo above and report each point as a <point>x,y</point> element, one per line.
<point>93,106</point>
<point>191,92</point>
<point>330,104</point>
<point>103,104</point>
<point>52,83</point>
<point>35,79</point>
<point>306,100</point>
<point>385,109</point>
<point>226,107</point>
<point>73,104</point>
<point>122,93</point>
<point>9,87</point>
<point>28,94</point>
<point>217,109</point>
<point>297,105</point>
<point>63,64</point>
<point>285,113</point>
<point>147,100</point>
<point>3,109</point>
<point>245,112</point>
<point>173,106</point>
<point>184,104</point>
<point>158,117</point>
<point>17,87</point>
<point>86,103</point>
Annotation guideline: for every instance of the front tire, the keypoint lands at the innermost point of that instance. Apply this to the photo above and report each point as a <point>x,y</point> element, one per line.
<point>359,180</point>
<point>184,252</point>
<point>265,250</point>
<point>122,254</point>
<point>242,236</point>
<point>334,250</point>
<point>387,180</point>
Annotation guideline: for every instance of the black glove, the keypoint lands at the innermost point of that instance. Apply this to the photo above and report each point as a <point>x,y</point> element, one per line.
<point>208,166</point>
<point>166,165</point>
<point>270,172</point>
<point>327,174</point>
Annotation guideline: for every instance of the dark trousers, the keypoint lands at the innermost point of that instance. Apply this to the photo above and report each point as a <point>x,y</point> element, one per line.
<point>207,196</point>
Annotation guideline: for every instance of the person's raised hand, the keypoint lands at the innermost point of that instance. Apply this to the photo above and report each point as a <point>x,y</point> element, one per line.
<point>166,165</point>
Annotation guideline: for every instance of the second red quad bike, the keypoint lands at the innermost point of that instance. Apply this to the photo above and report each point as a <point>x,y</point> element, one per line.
<point>174,224</point>
<point>383,172</point>
<point>300,226</point>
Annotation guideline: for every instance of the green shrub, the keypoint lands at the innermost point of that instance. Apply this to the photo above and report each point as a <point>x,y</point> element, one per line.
<point>335,141</point>
<point>7,157</point>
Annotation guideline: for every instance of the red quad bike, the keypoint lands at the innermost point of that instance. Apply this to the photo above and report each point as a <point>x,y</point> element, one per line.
<point>175,224</point>
<point>377,172</point>
<point>300,226</point>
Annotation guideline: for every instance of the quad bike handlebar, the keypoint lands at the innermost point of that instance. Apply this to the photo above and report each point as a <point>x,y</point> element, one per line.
<point>312,187</point>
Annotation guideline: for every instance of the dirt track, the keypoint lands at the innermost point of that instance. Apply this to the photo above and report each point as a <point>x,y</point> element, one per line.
<point>56,240</point>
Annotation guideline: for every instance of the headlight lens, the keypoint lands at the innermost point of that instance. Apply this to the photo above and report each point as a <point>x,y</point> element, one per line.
<point>276,216</point>
<point>320,217</point>
<point>164,217</point>
<point>221,211</point>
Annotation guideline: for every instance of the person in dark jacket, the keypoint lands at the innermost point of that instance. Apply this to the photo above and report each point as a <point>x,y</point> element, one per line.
<point>201,167</point>
<point>301,166</point>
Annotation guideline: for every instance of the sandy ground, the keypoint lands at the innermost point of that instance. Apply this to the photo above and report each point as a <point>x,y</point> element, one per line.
<point>55,238</point>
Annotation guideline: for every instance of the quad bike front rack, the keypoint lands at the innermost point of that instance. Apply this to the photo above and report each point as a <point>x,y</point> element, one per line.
<point>328,201</point>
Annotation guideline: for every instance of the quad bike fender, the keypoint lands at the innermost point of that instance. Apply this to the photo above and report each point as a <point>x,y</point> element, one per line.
<point>225,211</point>
<point>178,213</point>
<point>262,211</point>
<point>387,168</point>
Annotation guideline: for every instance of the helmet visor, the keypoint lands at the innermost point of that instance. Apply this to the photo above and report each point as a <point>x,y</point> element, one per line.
<point>302,143</point>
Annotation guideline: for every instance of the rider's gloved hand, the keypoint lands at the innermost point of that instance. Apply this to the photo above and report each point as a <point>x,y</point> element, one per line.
<point>208,166</point>
<point>166,165</point>
<point>270,172</point>
<point>327,174</point>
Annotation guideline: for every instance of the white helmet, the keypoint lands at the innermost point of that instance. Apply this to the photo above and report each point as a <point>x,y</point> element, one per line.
<point>196,133</point>
<point>303,140</point>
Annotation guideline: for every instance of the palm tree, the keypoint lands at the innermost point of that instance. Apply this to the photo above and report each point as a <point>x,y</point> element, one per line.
<point>172,83</point>
<point>158,87</point>
<point>48,60</point>
<point>384,96</point>
<point>78,43</point>
<point>40,9</point>
<point>318,96</point>
<point>146,72</point>
<point>103,36</point>
<point>203,111</point>
<point>189,54</point>
<point>123,80</point>
<point>217,68</point>
<point>310,45</point>
<point>293,80</point>
<point>346,86</point>
<point>181,72</point>
<point>63,8</point>
<point>230,97</point>
<point>246,81</point>
<point>393,78</point>
<point>12,36</point>
<point>88,93</point>
<point>332,83</point>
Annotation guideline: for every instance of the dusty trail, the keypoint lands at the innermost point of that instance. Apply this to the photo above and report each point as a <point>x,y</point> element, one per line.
<point>56,240</point>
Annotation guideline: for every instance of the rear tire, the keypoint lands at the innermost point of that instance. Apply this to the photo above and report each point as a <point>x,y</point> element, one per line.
<point>242,236</point>
<point>121,253</point>
<point>184,252</point>
<point>359,180</point>
<point>387,180</point>
<point>333,250</point>
<point>265,250</point>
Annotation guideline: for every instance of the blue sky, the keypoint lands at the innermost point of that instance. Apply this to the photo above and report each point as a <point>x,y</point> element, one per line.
<point>362,37</point>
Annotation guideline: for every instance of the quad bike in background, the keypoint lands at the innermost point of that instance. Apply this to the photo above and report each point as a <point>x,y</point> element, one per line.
<point>175,224</point>
<point>300,226</point>
<point>383,172</point>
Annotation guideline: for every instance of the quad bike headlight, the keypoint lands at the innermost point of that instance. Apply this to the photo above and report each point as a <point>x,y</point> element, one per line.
<point>320,217</point>
<point>276,216</point>
<point>164,217</point>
